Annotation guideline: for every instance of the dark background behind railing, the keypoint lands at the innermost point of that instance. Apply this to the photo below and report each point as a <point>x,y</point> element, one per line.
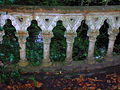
<point>61,2</point>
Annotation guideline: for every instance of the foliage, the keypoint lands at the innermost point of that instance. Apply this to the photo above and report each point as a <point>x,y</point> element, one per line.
<point>7,53</point>
<point>34,44</point>
<point>6,76</point>
<point>9,50</point>
<point>58,43</point>
<point>116,49</point>
<point>61,2</point>
<point>80,47</point>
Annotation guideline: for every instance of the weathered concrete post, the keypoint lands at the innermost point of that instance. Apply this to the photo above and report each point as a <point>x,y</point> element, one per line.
<point>22,35</point>
<point>92,39</point>
<point>112,37</point>
<point>46,41</point>
<point>70,40</point>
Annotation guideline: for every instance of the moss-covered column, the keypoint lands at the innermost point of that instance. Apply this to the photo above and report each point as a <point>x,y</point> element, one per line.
<point>92,39</point>
<point>46,41</point>
<point>70,40</point>
<point>22,35</point>
<point>112,37</point>
<point>1,36</point>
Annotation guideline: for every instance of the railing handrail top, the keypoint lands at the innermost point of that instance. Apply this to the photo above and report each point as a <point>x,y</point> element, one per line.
<point>58,9</point>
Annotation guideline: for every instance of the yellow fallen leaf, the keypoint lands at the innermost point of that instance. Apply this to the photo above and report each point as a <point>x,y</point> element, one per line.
<point>38,84</point>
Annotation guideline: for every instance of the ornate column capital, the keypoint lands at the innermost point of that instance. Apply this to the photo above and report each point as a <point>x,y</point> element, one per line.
<point>113,33</point>
<point>92,34</point>
<point>22,35</point>
<point>70,37</point>
<point>46,36</point>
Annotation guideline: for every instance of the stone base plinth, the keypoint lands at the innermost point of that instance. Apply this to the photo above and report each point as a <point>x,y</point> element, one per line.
<point>108,58</point>
<point>68,61</point>
<point>23,63</point>
<point>90,61</point>
<point>46,64</point>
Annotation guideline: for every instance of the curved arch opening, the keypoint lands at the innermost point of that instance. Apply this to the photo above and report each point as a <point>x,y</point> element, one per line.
<point>102,42</point>
<point>116,49</point>
<point>10,46</point>
<point>80,47</point>
<point>34,45</point>
<point>58,43</point>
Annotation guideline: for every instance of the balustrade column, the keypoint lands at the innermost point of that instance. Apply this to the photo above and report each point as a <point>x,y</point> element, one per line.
<point>112,38</point>
<point>1,36</point>
<point>70,40</point>
<point>46,41</point>
<point>92,39</point>
<point>1,39</point>
<point>22,35</point>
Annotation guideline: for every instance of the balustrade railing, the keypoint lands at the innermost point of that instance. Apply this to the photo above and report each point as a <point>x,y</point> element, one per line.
<point>21,17</point>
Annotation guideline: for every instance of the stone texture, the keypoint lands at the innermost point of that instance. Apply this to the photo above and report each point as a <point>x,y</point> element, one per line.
<point>59,9</point>
<point>112,37</point>
<point>70,40</point>
<point>46,41</point>
<point>21,17</point>
<point>22,35</point>
<point>92,39</point>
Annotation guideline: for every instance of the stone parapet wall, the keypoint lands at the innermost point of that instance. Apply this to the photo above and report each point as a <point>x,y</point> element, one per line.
<point>47,17</point>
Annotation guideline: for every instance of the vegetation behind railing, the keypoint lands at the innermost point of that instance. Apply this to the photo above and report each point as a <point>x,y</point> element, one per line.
<point>61,2</point>
<point>9,50</point>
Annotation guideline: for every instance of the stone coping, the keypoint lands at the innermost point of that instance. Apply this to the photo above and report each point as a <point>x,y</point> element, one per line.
<point>58,9</point>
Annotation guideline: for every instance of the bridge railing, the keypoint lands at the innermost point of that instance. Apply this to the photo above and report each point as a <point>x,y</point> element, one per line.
<point>21,17</point>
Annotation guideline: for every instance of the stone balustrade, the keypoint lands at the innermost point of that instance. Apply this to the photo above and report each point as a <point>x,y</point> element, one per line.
<point>21,17</point>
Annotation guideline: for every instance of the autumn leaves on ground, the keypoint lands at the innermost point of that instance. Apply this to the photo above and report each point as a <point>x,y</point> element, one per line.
<point>62,81</point>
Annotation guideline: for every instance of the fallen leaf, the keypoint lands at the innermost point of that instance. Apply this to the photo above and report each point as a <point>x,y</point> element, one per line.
<point>38,84</point>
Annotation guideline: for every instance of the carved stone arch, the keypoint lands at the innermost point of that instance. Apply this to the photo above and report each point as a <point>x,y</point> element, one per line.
<point>2,20</point>
<point>13,20</point>
<point>60,18</point>
<point>95,22</point>
<point>99,22</point>
<point>46,23</point>
<point>112,22</point>
<point>90,22</point>
<point>23,21</point>
<point>72,22</point>
<point>113,28</point>
<point>118,22</point>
